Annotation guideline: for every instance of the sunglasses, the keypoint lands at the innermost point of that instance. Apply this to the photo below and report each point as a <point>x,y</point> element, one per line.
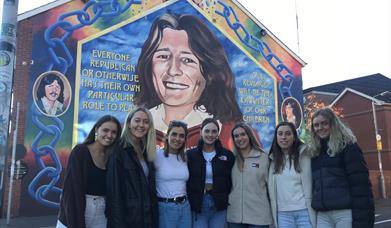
<point>177,123</point>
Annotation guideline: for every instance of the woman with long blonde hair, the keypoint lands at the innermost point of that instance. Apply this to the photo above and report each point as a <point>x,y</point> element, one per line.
<point>131,190</point>
<point>342,193</point>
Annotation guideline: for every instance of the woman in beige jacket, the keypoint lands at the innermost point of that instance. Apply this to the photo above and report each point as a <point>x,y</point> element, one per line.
<point>248,201</point>
<point>290,183</point>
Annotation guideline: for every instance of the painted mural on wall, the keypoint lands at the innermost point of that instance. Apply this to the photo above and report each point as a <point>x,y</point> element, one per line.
<point>184,60</point>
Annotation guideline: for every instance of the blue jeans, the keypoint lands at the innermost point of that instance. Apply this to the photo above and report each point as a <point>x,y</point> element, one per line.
<point>241,225</point>
<point>294,219</point>
<point>209,216</point>
<point>174,215</point>
<point>334,219</point>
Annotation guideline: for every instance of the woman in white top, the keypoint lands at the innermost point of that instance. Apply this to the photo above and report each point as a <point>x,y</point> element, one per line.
<point>290,183</point>
<point>171,177</point>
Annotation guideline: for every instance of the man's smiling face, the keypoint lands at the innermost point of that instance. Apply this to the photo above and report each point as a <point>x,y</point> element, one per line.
<point>52,91</point>
<point>177,76</point>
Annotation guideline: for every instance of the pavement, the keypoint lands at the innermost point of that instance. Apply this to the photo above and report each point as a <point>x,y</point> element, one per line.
<point>50,221</point>
<point>380,203</point>
<point>383,213</point>
<point>30,222</point>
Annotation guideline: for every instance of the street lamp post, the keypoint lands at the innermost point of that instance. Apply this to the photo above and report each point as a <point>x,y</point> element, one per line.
<point>382,184</point>
<point>378,145</point>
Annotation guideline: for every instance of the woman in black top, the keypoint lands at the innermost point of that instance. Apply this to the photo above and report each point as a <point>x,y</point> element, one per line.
<point>209,181</point>
<point>84,185</point>
<point>342,193</point>
<point>131,190</point>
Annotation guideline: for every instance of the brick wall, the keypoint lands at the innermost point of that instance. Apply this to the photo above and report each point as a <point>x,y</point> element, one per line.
<point>22,72</point>
<point>16,191</point>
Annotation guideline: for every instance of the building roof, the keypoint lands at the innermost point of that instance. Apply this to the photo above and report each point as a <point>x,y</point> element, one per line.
<point>323,97</point>
<point>371,85</point>
<point>41,9</point>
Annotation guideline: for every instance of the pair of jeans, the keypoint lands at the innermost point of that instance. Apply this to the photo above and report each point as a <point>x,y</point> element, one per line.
<point>95,212</point>
<point>241,225</point>
<point>334,219</point>
<point>94,215</point>
<point>294,219</point>
<point>174,215</point>
<point>209,216</point>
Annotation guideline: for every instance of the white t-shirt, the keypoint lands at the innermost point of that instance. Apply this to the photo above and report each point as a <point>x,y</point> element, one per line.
<point>144,165</point>
<point>171,175</point>
<point>290,192</point>
<point>208,156</point>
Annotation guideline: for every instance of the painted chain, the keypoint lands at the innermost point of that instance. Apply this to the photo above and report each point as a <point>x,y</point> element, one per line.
<point>60,60</point>
<point>46,172</point>
<point>286,75</point>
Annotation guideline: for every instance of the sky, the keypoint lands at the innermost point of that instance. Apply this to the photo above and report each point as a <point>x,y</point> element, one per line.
<point>338,39</point>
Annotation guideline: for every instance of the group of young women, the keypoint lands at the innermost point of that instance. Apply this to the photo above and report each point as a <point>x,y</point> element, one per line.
<point>123,181</point>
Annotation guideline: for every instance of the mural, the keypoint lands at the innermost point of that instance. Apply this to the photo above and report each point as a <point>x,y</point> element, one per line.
<point>178,68</point>
<point>182,59</point>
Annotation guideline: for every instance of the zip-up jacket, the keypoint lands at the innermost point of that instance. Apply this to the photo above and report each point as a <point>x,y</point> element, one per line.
<point>221,167</point>
<point>131,199</point>
<point>342,182</point>
<point>248,201</point>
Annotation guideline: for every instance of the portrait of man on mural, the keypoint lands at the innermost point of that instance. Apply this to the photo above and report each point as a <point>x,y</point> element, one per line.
<point>50,97</point>
<point>185,75</point>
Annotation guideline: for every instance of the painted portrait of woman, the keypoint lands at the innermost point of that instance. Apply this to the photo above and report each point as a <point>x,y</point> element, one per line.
<point>291,111</point>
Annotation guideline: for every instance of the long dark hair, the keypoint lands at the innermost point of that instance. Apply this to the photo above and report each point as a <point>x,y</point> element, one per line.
<point>176,123</point>
<point>107,118</point>
<point>217,143</point>
<point>47,80</point>
<point>218,97</point>
<point>294,151</point>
